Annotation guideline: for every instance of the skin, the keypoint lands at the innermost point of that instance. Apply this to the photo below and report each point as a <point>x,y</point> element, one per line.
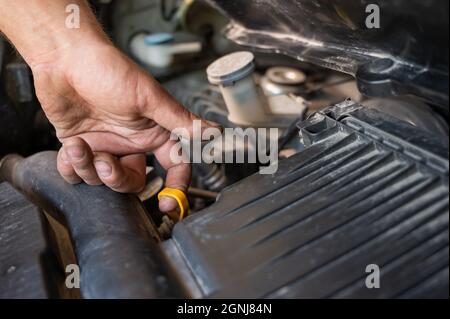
<point>107,111</point>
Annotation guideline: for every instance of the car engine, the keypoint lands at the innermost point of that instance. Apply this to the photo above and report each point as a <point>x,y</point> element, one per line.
<point>361,176</point>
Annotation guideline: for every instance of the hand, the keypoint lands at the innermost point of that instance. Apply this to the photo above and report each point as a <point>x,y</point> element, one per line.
<point>108,113</point>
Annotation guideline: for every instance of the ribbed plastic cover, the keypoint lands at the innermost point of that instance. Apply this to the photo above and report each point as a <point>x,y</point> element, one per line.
<point>23,248</point>
<point>367,189</point>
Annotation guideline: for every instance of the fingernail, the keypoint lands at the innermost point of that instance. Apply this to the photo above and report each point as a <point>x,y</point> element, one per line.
<point>75,152</point>
<point>103,169</point>
<point>64,157</point>
<point>167,204</point>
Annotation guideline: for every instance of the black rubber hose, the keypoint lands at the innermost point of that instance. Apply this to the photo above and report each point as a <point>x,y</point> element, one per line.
<point>117,255</point>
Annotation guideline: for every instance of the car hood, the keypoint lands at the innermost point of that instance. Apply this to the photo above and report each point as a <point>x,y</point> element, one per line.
<point>408,54</point>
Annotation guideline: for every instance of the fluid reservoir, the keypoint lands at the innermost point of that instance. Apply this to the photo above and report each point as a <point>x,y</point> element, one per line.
<point>233,73</point>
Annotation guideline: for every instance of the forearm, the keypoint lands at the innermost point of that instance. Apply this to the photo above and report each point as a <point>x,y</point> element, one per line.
<point>38,29</point>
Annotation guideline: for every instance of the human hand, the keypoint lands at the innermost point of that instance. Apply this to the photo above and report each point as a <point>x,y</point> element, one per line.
<point>108,113</point>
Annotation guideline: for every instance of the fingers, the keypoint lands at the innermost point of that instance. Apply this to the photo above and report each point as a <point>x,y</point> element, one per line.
<point>65,168</point>
<point>172,116</point>
<point>80,156</point>
<point>76,163</point>
<point>167,112</point>
<point>178,175</point>
<point>124,175</point>
<point>118,145</point>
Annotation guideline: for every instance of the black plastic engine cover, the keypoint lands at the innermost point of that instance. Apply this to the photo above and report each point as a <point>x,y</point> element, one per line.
<point>367,189</point>
<point>25,259</point>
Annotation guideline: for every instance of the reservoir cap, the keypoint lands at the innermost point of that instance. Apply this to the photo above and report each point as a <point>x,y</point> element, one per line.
<point>231,68</point>
<point>158,38</point>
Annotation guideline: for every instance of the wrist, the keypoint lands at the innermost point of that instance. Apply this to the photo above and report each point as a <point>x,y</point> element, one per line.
<point>62,42</point>
<point>41,30</point>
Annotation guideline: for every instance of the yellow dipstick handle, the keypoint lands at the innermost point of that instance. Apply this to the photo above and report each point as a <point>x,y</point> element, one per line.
<point>179,196</point>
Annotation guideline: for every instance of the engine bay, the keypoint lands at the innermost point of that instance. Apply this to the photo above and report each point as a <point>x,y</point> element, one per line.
<point>356,173</point>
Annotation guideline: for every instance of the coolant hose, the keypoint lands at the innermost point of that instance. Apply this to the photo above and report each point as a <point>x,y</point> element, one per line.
<point>117,256</point>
